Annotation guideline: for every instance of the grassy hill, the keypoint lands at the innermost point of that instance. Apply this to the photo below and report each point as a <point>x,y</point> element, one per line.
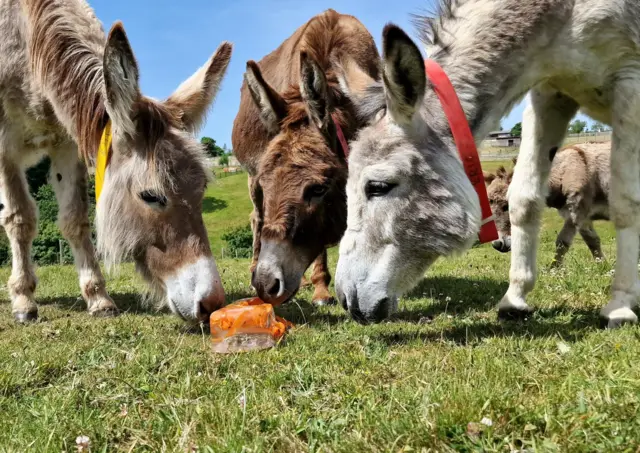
<point>422,382</point>
<point>226,205</point>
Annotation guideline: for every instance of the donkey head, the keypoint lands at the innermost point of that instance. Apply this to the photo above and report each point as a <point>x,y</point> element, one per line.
<point>150,206</point>
<point>299,186</point>
<point>409,199</point>
<point>497,189</point>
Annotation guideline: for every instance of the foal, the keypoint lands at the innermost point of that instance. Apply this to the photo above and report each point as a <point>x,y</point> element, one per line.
<point>63,86</point>
<point>409,199</point>
<point>292,110</point>
<point>578,188</point>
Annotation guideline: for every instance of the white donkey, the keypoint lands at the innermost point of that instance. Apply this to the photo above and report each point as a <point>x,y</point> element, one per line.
<point>62,83</point>
<point>409,201</point>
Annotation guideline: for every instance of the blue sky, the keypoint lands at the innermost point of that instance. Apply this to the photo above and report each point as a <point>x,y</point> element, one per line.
<point>171,39</point>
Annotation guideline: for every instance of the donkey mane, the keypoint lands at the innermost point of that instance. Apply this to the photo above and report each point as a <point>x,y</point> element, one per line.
<point>67,60</point>
<point>430,24</point>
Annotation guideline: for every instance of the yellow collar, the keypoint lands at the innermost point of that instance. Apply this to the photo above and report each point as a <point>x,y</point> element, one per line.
<point>102,160</point>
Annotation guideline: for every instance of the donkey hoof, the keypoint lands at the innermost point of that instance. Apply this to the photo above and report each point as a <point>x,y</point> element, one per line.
<point>325,301</point>
<point>26,317</point>
<point>514,314</point>
<point>106,312</point>
<point>618,319</point>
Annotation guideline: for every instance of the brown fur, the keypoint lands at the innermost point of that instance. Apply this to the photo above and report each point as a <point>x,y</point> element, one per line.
<point>286,159</point>
<point>578,188</point>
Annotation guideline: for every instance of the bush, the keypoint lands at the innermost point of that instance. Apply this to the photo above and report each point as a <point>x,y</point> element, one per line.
<point>240,242</point>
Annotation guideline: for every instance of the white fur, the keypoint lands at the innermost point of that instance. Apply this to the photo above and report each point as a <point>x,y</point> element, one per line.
<point>192,284</point>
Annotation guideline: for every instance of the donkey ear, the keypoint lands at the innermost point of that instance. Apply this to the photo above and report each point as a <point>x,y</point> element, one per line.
<point>272,106</point>
<point>488,177</point>
<point>194,96</point>
<point>120,79</point>
<point>403,74</point>
<point>314,91</point>
<point>366,93</point>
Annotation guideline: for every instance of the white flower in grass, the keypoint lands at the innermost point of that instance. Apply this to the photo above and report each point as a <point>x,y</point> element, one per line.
<point>83,443</point>
<point>486,421</point>
<point>242,401</point>
<point>563,347</point>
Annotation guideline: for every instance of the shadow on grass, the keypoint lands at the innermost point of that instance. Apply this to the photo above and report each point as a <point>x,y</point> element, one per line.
<point>126,302</point>
<point>542,324</point>
<point>453,295</point>
<point>212,204</point>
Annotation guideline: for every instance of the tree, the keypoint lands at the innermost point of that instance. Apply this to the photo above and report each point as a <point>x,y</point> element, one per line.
<point>224,160</point>
<point>516,130</point>
<point>211,148</point>
<point>577,127</point>
<point>597,126</point>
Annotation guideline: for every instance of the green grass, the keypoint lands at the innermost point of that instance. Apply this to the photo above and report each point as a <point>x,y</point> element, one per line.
<point>143,382</point>
<point>226,205</point>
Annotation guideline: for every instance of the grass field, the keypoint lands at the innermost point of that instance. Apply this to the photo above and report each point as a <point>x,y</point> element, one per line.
<point>422,382</point>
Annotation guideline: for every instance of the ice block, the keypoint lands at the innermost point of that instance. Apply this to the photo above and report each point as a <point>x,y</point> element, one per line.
<point>246,325</point>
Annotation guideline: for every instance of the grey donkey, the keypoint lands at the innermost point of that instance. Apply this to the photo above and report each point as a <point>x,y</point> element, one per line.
<point>409,200</point>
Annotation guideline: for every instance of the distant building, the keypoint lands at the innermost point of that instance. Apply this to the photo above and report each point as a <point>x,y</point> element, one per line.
<point>501,139</point>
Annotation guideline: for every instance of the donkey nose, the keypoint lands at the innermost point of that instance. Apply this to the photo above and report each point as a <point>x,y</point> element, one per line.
<point>377,312</point>
<point>269,284</point>
<point>207,306</point>
<point>274,290</point>
<point>501,245</point>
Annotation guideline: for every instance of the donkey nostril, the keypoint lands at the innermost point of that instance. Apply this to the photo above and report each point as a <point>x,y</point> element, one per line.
<point>275,288</point>
<point>203,312</point>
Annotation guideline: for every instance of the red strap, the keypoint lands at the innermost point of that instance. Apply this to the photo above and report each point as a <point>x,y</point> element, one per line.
<point>465,143</point>
<point>341,139</point>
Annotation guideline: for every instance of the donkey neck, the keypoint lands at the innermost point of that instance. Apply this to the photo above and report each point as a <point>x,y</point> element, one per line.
<point>66,53</point>
<point>486,48</point>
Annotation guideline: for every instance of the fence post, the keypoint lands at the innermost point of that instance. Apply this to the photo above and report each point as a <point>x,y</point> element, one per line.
<point>222,252</point>
<point>61,246</point>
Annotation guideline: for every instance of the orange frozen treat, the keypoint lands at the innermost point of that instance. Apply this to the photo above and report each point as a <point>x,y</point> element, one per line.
<point>246,325</point>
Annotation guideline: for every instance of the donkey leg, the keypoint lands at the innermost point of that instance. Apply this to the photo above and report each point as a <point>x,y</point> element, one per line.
<point>592,240</point>
<point>18,215</point>
<point>625,204</point>
<point>69,180</point>
<point>256,227</point>
<point>321,278</point>
<point>563,242</point>
<point>545,124</point>
<point>575,214</point>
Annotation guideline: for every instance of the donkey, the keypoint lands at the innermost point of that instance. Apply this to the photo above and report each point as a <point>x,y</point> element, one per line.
<point>62,82</point>
<point>285,135</point>
<point>578,189</point>
<point>409,200</point>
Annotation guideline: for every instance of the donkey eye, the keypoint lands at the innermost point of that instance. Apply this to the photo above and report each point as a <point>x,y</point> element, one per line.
<point>153,199</point>
<point>317,190</point>
<point>505,208</point>
<point>378,188</point>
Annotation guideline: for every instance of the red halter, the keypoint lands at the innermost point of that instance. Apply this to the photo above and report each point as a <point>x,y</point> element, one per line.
<point>465,143</point>
<point>341,139</point>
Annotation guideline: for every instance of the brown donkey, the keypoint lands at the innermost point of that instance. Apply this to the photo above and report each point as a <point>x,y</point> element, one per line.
<point>285,135</point>
<point>62,82</point>
<point>578,189</point>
